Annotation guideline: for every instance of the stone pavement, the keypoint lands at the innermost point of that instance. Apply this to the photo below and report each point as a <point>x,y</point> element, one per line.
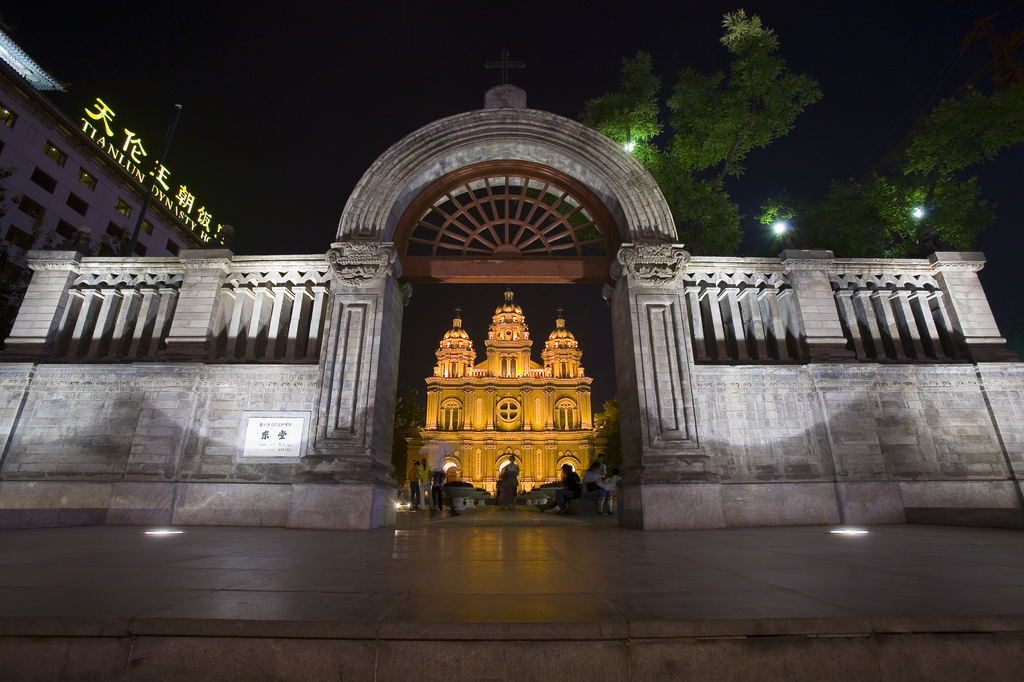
<point>565,600</point>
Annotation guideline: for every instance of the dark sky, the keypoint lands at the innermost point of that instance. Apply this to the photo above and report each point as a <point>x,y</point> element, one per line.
<point>285,105</point>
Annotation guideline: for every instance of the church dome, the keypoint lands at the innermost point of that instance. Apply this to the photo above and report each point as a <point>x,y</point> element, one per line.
<point>508,306</point>
<point>561,337</point>
<point>456,337</point>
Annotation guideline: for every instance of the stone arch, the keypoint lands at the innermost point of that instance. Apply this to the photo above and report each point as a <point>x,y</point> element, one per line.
<point>401,173</point>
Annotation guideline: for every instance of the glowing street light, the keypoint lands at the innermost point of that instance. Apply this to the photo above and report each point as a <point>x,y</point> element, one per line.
<point>918,212</point>
<point>629,146</point>
<point>780,227</point>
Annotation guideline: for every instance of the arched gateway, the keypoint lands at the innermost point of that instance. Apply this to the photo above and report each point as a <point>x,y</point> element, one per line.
<point>507,195</point>
<point>218,389</point>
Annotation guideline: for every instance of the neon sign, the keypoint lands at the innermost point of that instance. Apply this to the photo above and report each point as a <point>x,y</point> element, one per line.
<point>129,155</point>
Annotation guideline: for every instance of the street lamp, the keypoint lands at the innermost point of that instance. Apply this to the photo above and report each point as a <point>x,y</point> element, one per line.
<point>629,146</point>
<point>780,227</point>
<point>918,212</point>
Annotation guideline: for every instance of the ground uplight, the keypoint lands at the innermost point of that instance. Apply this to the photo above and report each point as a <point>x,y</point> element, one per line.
<point>848,531</point>
<point>163,532</point>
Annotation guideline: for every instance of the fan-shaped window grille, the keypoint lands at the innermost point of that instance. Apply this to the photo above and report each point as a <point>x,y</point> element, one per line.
<point>565,416</point>
<point>451,416</point>
<point>507,211</point>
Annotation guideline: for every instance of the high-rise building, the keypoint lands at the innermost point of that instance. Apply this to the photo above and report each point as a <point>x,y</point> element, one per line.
<point>62,179</point>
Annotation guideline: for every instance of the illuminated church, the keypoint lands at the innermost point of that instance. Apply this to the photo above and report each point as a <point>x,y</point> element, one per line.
<point>508,404</point>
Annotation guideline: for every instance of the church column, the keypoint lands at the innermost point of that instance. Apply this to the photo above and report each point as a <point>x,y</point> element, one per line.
<point>489,407</point>
<point>526,398</point>
<point>549,408</point>
<point>668,480</point>
<point>433,405</point>
<point>345,480</point>
<point>583,403</point>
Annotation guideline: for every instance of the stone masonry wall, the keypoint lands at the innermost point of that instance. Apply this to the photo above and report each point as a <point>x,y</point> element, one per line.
<point>148,422</point>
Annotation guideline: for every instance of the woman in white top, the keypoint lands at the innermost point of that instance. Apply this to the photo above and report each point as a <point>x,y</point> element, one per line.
<point>594,488</point>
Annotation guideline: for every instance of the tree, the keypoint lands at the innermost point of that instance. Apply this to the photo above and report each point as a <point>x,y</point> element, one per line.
<point>918,204</point>
<point>607,424</point>
<point>717,122</point>
<point>409,418</point>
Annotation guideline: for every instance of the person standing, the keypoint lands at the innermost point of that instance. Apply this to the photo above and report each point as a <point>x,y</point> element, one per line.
<point>508,485</point>
<point>425,485</point>
<point>602,469</point>
<point>414,486</point>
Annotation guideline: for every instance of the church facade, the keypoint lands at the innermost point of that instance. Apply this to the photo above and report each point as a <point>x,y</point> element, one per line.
<point>508,405</point>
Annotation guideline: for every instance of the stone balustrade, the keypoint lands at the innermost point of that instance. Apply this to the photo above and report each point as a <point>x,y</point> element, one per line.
<point>207,306</point>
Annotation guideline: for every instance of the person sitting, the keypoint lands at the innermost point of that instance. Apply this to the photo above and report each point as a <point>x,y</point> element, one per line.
<point>595,488</point>
<point>572,488</point>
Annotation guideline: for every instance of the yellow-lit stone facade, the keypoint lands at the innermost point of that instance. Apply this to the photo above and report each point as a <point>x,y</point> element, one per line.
<point>509,404</point>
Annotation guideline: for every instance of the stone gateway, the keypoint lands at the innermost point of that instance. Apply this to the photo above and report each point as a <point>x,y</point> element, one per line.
<point>802,389</point>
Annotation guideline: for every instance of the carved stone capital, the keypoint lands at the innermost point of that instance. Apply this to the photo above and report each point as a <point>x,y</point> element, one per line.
<point>54,260</point>
<point>651,264</point>
<point>954,261</point>
<point>362,263</point>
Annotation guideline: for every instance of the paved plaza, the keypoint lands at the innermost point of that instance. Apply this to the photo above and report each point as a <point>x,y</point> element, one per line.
<point>475,600</point>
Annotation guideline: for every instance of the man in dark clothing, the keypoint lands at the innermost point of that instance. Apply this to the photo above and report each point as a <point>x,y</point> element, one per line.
<point>414,486</point>
<point>572,489</point>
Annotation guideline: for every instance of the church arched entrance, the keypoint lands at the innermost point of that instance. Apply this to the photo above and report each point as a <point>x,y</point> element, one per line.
<point>506,195</point>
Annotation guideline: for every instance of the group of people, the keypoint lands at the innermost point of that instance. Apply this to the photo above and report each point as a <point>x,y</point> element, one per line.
<point>595,485</point>
<point>428,483</point>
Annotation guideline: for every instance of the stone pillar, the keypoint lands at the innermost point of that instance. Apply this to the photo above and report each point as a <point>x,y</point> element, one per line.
<point>346,474</point>
<point>969,311</point>
<point>35,328</point>
<point>198,302</point>
<point>668,481</point>
<point>816,319</point>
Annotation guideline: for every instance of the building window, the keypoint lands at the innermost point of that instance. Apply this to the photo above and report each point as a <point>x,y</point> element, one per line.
<point>77,203</point>
<point>123,208</point>
<point>65,229</point>
<point>147,227</point>
<point>31,208</point>
<point>172,247</point>
<point>116,231</point>
<point>140,250</point>
<point>7,116</point>
<point>508,410</point>
<point>20,238</point>
<point>86,178</point>
<point>451,416</point>
<point>57,155</point>
<point>565,416</point>
<point>508,366</point>
<point>44,180</point>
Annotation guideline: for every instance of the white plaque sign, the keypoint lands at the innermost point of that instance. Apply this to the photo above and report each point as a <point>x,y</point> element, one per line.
<point>274,436</point>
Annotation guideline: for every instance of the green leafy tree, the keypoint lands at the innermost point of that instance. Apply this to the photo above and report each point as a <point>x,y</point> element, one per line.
<point>919,203</point>
<point>716,121</point>
<point>409,418</point>
<point>607,424</point>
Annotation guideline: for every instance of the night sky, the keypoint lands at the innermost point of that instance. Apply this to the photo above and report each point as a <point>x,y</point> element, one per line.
<point>285,105</point>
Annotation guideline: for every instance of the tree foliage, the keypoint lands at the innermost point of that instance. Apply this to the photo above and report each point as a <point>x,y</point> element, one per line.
<point>920,202</point>
<point>409,418</point>
<point>717,120</point>
<point>607,424</point>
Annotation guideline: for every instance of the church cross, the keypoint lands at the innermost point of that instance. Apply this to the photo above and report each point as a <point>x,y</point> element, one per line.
<point>559,312</point>
<point>458,311</point>
<point>504,65</point>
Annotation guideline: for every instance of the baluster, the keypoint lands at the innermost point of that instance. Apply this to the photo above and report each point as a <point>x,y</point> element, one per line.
<point>239,295</point>
<point>125,318</point>
<point>275,321</point>
<point>299,319</point>
<point>255,323</point>
<point>887,327</point>
<point>873,346</point>
<point>930,338</point>
<point>734,325</point>
<point>316,322</point>
<point>709,297</point>
<point>752,322</point>
<point>142,323</point>
<point>700,349</point>
<point>844,302</point>
<point>85,313</point>
<point>776,325</point>
<point>905,314</point>
<point>164,317</point>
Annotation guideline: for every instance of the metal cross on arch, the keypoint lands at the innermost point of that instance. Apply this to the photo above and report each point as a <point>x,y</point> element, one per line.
<point>504,65</point>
